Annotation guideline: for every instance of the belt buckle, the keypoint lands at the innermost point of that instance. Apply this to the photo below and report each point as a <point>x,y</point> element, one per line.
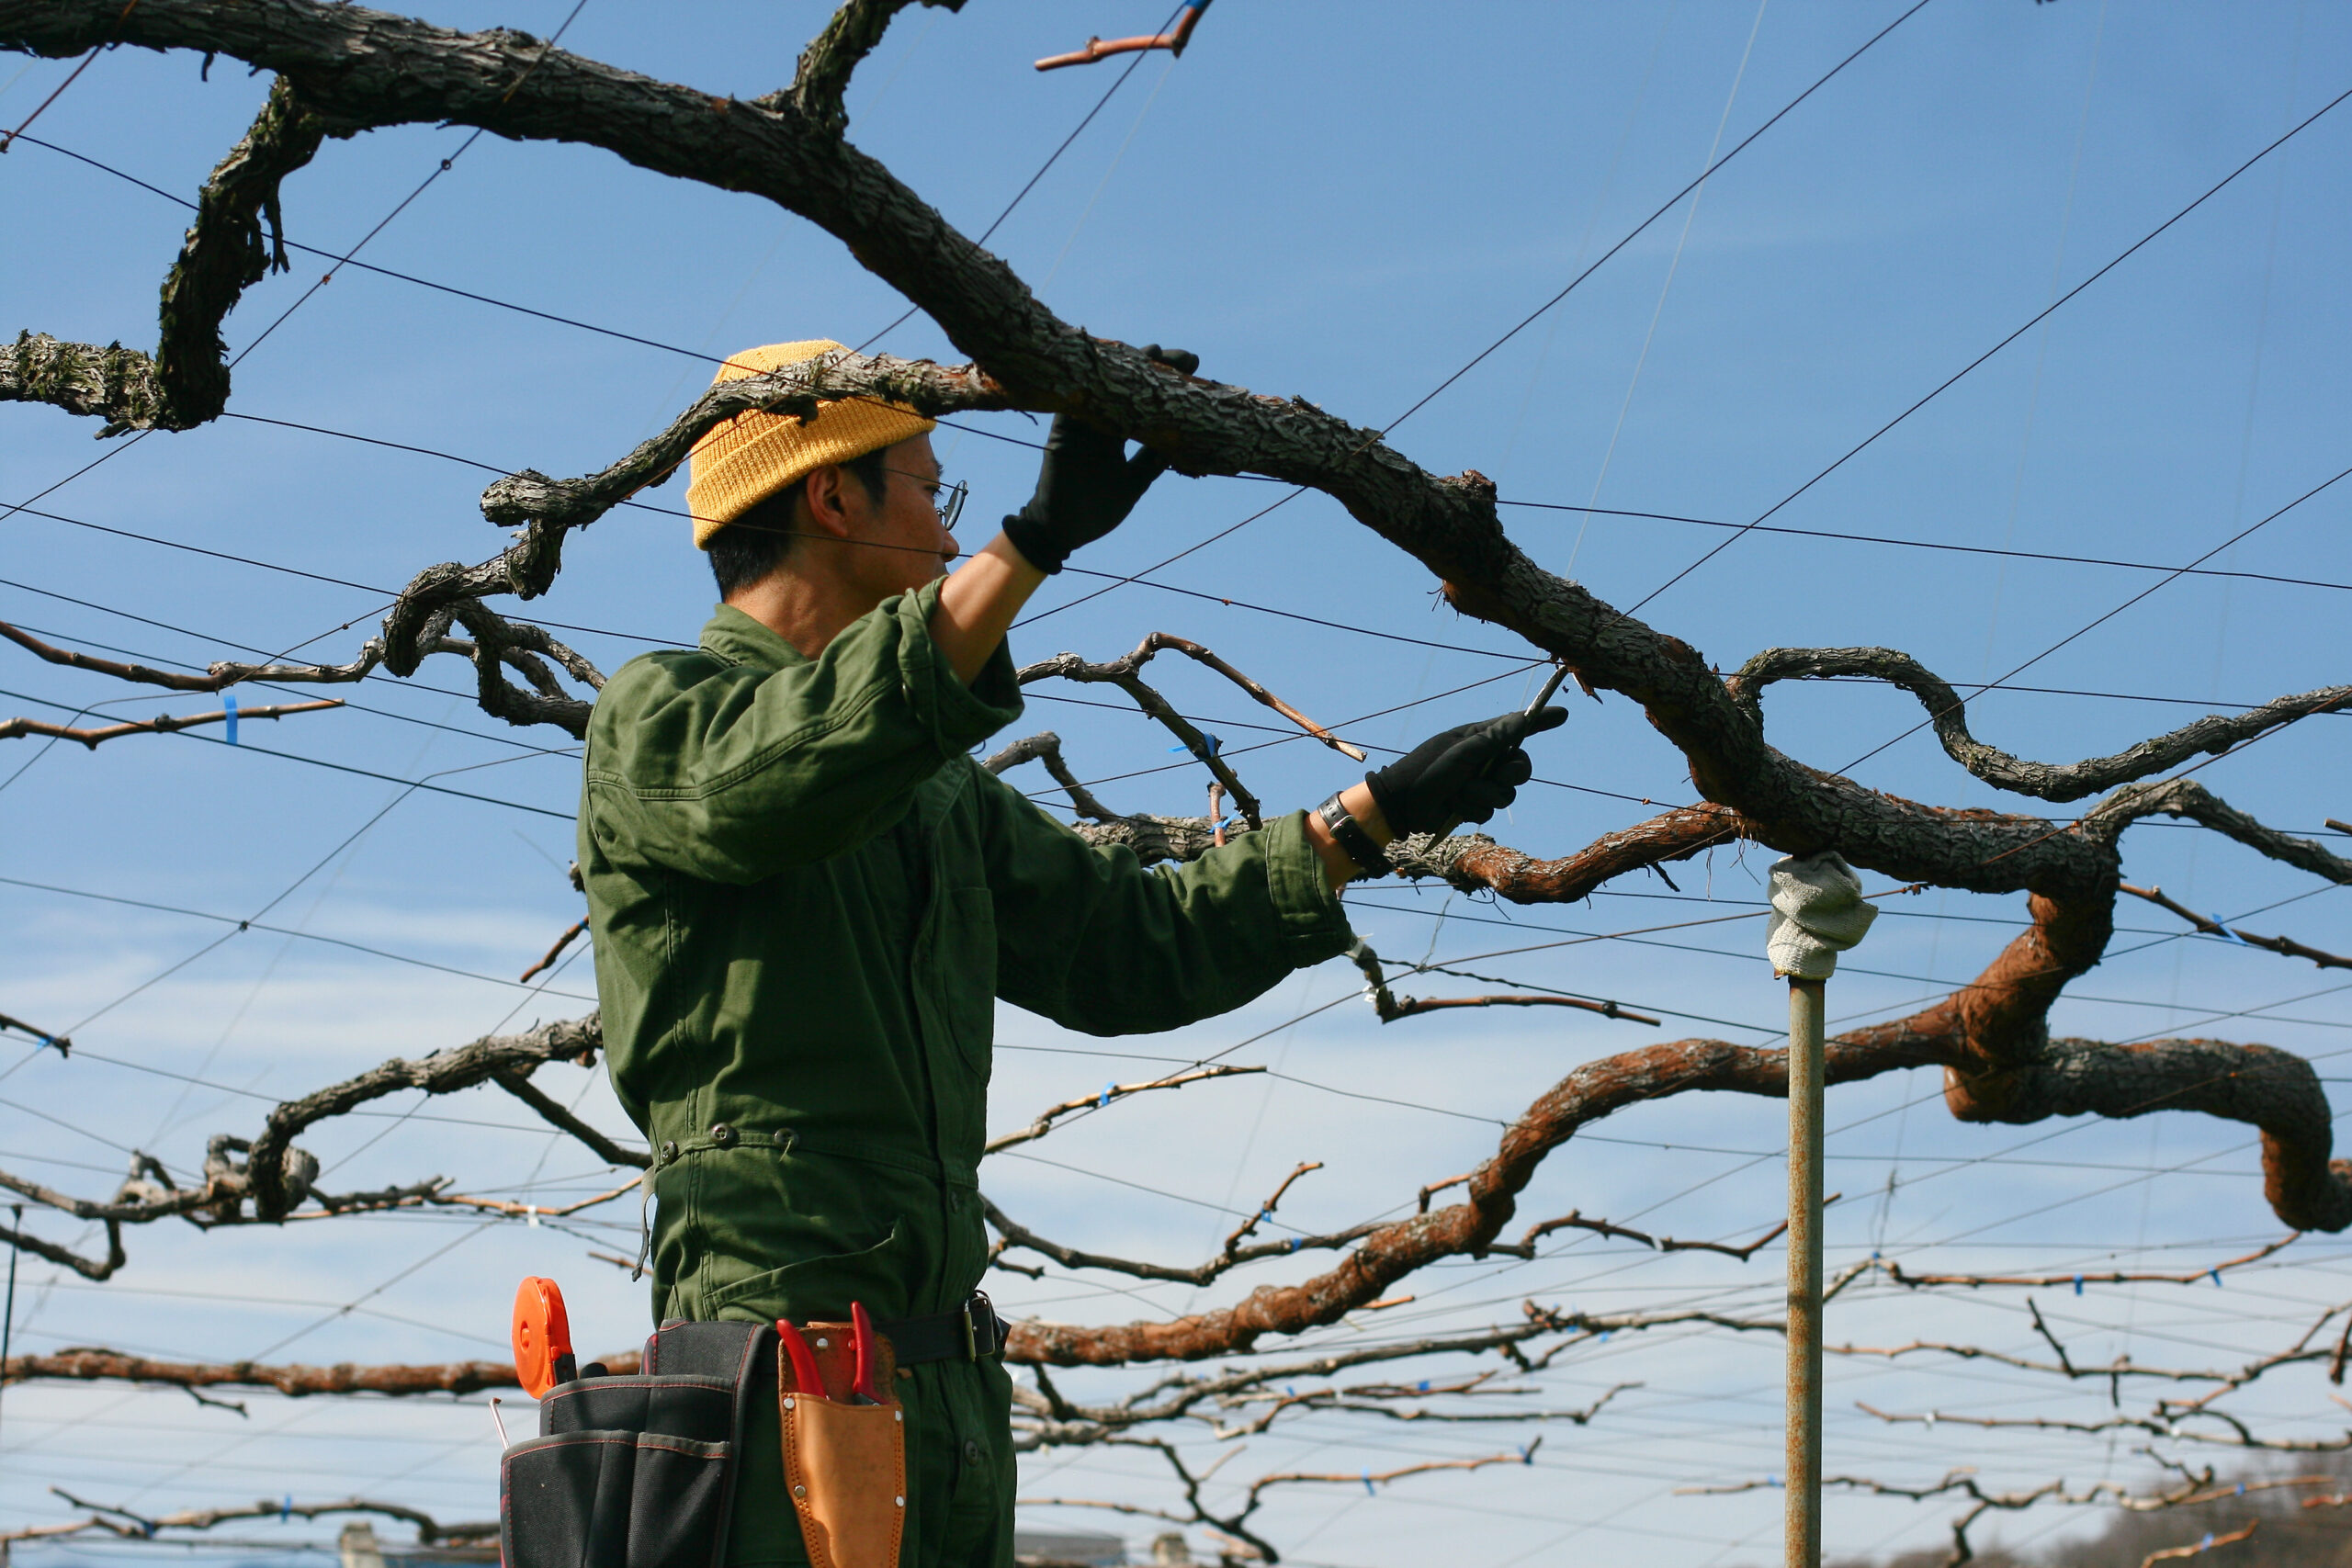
<point>972,1325</point>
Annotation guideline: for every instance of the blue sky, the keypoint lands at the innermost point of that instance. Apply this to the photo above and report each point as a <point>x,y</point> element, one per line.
<point>1339,202</point>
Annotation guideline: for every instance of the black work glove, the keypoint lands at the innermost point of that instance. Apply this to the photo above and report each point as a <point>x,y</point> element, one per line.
<point>1462,774</point>
<point>1087,484</point>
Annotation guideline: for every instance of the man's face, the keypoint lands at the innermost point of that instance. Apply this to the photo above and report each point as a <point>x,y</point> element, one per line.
<point>902,544</point>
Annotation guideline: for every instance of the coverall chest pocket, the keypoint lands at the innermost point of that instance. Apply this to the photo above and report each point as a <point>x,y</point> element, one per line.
<point>967,974</point>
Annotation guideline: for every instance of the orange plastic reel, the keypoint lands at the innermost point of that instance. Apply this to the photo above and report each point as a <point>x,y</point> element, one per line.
<point>542,1336</point>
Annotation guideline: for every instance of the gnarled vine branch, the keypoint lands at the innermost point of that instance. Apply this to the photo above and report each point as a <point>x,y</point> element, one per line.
<point>127,1524</point>
<point>2046,781</point>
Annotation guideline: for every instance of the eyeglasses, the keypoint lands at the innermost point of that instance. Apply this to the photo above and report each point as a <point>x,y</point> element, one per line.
<point>949,500</point>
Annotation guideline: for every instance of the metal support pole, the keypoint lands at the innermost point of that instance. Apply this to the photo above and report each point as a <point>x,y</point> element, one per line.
<point>1803,1533</point>
<point>8,1323</point>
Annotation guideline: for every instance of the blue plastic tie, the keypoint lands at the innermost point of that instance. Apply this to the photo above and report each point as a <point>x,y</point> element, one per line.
<point>1370,1493</point>
<point>2232,935</point>
<point>1527,1453</point>
<point>1605,1333</point>
<point>229,707</point>
<point>286,1509</point>
<point>1772,1480</point>
<point>2206,1544</point>
<point>2241,1488</point>
<point>2078,1284</point>
<point>1425,1385</point>
<point>2216,1274</point>
<point>1293,1244</point>
<point>1106,1094</point>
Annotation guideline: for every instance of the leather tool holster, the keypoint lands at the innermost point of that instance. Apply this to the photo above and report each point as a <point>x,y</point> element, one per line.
<point>845,1464</point>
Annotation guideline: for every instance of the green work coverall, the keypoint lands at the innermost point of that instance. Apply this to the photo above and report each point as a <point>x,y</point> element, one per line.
<point>806,898</point>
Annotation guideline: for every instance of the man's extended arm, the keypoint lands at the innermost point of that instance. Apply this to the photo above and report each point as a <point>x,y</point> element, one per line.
<point>1086,487</point>
<point>978,602</point>
<point>1340,867</point>
<point>976,606</point>
<point>1098,943</point>
<point>1462,774</point>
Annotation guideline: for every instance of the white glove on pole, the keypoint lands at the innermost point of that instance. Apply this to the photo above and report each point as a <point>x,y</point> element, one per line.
<point>1818,912</point>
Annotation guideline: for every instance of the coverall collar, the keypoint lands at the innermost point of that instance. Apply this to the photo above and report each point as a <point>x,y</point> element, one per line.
<point>739,639</point>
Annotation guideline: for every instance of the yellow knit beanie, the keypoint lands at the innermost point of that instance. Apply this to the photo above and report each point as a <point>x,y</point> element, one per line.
<point>742,462</point>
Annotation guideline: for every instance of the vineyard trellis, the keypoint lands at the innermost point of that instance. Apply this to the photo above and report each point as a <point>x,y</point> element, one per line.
<point>341,70</point>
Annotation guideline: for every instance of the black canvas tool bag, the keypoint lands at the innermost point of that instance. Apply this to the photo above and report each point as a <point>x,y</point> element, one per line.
<point>638,1472</point>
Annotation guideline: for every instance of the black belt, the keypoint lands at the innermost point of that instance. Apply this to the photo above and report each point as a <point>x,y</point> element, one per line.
<point>965,1333</point>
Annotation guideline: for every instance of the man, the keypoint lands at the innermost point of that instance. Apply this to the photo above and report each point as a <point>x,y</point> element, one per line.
<point>807,900</point>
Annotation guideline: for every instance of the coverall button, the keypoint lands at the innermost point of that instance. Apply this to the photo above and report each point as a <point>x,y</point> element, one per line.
<point>669,1149</point>
<point>722,1134</point>
<point>971,1451</point>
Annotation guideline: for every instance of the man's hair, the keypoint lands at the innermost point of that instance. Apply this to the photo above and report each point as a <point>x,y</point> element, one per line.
<point>758,542</point>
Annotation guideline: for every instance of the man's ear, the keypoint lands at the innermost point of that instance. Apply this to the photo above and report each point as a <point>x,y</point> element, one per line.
<point>823,495</point>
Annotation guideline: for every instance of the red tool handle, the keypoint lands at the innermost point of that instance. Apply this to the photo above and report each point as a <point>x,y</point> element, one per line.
<point>862,1332</point>
<point>805,1377</point>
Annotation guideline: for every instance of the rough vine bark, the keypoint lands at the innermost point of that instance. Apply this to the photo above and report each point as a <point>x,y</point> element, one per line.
<point>367,68</point>
<point>275,1175</point>
<point>1949,715</point>
<point>441,1073</point>
<point>350,68</point>
<point>108,1519</point>
<point>226,254</point>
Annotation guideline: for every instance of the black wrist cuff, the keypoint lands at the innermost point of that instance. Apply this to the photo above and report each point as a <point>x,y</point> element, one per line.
<point>1034,544</point>
<point>1352,838</point>
<point>1384,799</point>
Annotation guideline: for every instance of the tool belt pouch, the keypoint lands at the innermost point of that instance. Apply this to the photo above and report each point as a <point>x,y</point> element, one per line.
<point>844,1464</point>
<point>638,1472</point>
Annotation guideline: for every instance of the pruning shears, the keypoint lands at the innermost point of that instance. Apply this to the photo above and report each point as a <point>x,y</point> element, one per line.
<point>1550,689</point>
<point>865,1358</point>
<point>862,1338</point>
